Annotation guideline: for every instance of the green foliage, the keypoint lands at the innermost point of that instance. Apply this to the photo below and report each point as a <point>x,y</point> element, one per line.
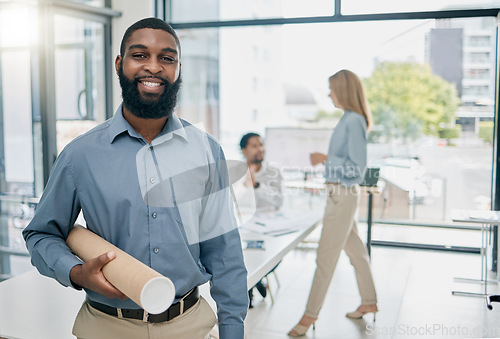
<point>322,115</point>
<point>486,131</point>
<point>452,132</point>
<point>407,99</point>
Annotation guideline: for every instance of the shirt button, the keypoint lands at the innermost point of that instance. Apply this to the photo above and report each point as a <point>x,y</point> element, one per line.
<point>152,180</point>
<point>156,250</point>
<point>154,215</point>
<point>150,148</point>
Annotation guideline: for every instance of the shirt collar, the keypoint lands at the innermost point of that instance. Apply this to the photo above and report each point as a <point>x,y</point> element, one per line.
<point>173,126</point>
<point>118,125</point>
<point>263,167</point>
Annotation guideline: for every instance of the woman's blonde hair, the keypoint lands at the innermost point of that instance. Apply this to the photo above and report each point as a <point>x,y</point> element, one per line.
<point>350,93</point>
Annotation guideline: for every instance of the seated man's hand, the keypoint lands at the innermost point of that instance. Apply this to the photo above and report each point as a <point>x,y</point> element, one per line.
<point>250,176</point>
<point>89,275</point>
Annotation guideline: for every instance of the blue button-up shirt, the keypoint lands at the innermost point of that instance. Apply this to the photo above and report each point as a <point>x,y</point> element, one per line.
<point>167,204</point>
<point>346,162</point>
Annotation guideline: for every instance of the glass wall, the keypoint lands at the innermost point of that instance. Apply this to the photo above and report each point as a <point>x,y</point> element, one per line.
<point>430,83</point>
<point>17,55</point>
<point>79,76</point>
<point>53,85</point>
<point>95,3</point>
<point>392,6</point>
<point>199,92</point>
<point>47,74</point>
<point>18,125</point>
<point>213,10</point>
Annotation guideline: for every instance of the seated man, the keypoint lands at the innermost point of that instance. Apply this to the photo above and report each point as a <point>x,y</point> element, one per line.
<point>265,179</point>
<point>266,182</point>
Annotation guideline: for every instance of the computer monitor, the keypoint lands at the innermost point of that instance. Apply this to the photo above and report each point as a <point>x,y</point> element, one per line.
<point>371,177</point>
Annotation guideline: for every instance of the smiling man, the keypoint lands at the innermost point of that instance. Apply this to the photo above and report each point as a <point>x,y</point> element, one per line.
<point>149,92</point>
<point>116,174</point>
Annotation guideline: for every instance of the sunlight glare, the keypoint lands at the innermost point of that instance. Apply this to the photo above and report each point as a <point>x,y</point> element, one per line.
<point>17,27</point>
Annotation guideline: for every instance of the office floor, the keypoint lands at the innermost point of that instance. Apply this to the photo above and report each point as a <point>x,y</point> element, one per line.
<point>414,290</point>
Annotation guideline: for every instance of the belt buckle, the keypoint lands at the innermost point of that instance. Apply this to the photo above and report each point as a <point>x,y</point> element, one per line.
<point>181,309</point>
<point>145,316</point>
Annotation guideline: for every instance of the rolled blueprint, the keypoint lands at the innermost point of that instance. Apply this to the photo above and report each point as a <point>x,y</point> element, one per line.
<point>146,287</point>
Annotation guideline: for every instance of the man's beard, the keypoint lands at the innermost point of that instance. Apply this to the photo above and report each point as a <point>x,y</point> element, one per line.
<point>161,107</point>
<point>257,160</point>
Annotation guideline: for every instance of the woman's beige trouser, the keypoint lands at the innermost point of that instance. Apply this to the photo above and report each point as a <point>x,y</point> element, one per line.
<point>339,232</point>
<point>196,323</point>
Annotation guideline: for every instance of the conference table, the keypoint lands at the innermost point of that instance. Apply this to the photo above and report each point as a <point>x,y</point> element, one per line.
<point>36,307</point>
<point>280,232</point>
<point>487,220</point>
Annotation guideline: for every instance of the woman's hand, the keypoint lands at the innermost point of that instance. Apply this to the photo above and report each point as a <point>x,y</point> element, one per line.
<point>318,158</point>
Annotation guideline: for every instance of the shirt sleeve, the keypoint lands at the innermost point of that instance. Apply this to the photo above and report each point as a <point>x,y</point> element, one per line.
<point>54,217</point>
<point>222,256</point>
<point>244,197</point>
<point>355,163</point>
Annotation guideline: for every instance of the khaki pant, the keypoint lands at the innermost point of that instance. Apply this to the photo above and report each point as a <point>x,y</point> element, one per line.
<point>195,323</point>
<point>339,232</point>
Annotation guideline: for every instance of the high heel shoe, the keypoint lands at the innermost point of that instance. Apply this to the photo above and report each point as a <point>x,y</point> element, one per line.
<point>359,314</point>
<point>300,330</point>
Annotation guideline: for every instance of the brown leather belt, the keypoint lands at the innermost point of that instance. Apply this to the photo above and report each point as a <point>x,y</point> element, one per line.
<point>186,302</point>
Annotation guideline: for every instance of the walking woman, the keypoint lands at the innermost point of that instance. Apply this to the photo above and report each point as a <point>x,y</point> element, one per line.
<point>345,165</point>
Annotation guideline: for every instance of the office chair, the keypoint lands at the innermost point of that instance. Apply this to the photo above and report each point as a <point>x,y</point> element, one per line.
<point>267,290</point>
<point>490,299</point>
<point>268,286</point>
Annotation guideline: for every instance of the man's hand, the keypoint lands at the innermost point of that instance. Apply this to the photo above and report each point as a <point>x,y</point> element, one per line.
<point>318,158</point>
<point>253,168</point>
<point>250,176</point>
<point>89,275</point>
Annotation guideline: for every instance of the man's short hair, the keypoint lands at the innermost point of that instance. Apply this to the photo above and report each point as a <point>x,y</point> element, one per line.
<point>152,23</point>
<point>246,137</point>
